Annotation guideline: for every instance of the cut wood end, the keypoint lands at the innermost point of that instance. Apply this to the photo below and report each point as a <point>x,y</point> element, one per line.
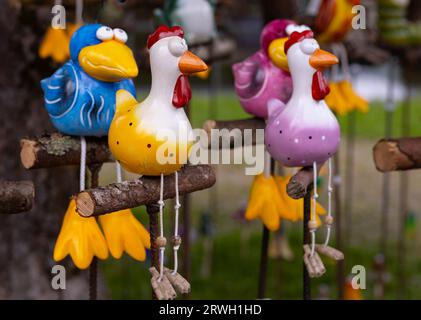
<point>28,153</point>
<point>209,125</point>
<point>84,204</point>
<point>386,155</point>
<point>295,189</point>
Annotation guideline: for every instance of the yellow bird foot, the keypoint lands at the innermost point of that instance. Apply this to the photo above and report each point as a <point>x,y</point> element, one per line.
<point>71,28</point>
<point>264,202</point>
<point>352,97</point>
<point>123,232</point>
<point>292,209</point>
<point>81,238</point>
<point>55,44</point>
<point>336,100</point>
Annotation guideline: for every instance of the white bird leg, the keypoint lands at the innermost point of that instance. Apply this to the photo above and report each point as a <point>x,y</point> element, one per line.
<point>79,12</point>
<point>313,213</point>
<point>82,171</point>
<point>176,239</point>
<point>266,168</point>
<point>329,219</point>
<point>118,172</point>
<point>161,226</point>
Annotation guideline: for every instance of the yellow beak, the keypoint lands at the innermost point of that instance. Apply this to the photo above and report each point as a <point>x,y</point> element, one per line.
<point>190,63</point>
<point>321,59</point>
<point>109,61</point>
<point>277,54</point>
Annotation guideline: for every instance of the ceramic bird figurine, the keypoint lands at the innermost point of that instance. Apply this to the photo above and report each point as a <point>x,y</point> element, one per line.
<point>333,20</point>
<point>259,79</point>
<point>264,75</point>
<point>153,137</point>
<point>333,23</point>
<point>80,96</point>
<point>196,17</point>
<point>304,132</point>
<point>394,26</point>
<point>80,100</point>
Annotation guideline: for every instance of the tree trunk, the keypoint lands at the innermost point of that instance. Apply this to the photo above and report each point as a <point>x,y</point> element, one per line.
<point>27,240</point>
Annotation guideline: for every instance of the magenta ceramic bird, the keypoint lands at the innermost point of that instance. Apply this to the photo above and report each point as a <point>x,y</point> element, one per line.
<point>304,130</point>
<point>258,79</point>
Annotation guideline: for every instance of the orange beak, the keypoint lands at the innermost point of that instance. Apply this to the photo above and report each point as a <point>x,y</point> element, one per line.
<point>190,63</point>
<point>321,59</point>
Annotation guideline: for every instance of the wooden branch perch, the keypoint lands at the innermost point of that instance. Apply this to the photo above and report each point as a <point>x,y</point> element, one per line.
<point>59,150</point>
<point>397,154</point>
<point>142,191</point>
<point>237,129</point>
<point>16,196</point>
<point>299,182</point>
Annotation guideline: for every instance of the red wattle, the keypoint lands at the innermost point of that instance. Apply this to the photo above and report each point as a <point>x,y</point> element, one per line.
<point>182,92</point>
<point>319,86</point>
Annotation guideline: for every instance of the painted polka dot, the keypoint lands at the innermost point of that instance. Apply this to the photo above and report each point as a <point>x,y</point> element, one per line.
<point>323,138</point>
<point>310,137</point>
<point>296,140</point>
<point>149,145</point>
<point>280,131</point>
<point>277,122</point>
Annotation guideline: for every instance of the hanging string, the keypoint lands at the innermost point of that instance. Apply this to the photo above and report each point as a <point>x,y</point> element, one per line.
<point>118,172</point>
<point>176,236</point>
<point>344,61</point>
<point>329,203</point>
<point>335,67</point>
<point>161,227</point>
<point>82,163</point>
<point>266,169</point>
<point>313,213</point>
<point>79,12</point>
<point>100,10</point>
<point>313,7</point>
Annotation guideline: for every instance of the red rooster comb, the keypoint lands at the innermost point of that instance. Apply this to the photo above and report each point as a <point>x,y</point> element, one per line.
<point>297,37</point>
<point>163,32</point>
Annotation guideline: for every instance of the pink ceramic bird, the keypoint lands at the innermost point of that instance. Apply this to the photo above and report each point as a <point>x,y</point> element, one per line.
<point>304,130</point>
<point>258,79</point>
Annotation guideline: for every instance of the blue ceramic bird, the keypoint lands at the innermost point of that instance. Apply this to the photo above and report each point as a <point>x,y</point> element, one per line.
<point>80,96</point>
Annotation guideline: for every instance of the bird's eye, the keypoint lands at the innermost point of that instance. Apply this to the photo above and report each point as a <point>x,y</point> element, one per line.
<point>120,35</point>
<point>308,46</point>
<point>177,47</point>
<point>105,33</point>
